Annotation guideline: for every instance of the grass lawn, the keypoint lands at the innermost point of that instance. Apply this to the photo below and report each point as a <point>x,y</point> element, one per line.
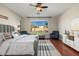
<point>39,33</point>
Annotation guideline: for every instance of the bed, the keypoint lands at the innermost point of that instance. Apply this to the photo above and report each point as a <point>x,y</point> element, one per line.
<point>23,45</point>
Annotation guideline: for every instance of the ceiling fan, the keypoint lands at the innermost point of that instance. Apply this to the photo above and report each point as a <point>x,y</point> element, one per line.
<point>39,7</point>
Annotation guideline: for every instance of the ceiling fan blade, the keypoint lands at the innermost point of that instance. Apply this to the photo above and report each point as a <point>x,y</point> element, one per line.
<point>44,7</point>
<point>38,4</point>
<point>32,5</point>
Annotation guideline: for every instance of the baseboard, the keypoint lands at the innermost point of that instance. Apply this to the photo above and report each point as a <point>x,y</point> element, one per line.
<point>71,48</point>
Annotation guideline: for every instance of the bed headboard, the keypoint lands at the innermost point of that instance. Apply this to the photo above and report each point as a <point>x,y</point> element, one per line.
<point>6,28</point>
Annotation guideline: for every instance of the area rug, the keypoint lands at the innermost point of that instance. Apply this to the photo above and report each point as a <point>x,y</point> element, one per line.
<point>46,48</point>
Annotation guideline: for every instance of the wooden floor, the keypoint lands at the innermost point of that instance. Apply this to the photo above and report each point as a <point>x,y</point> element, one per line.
<point>63,49</point>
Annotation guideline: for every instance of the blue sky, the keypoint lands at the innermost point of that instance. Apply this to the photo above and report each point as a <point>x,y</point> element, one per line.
<point>39,23</point>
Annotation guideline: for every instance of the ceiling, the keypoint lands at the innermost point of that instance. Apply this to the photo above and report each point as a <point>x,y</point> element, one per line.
<point>25,10</point>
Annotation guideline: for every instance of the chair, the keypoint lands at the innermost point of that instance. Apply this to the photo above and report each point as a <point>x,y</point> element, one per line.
<point>54,35</point>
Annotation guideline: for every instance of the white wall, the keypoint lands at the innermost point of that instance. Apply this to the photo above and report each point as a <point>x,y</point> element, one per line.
<point>66,19</point>
<point>13,19</point>
<point>26,24</point>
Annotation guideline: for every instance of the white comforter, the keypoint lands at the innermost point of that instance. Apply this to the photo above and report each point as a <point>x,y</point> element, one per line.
<point>21,45</point>
<point>26,38</point>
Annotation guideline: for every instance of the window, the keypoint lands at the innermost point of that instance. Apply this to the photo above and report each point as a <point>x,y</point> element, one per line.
<point>39,27</point>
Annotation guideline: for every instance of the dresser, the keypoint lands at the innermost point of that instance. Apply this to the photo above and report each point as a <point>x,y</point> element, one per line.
<point>73,43</point>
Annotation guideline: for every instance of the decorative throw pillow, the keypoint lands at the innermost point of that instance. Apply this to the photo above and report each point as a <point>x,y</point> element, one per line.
<point>7,35</point>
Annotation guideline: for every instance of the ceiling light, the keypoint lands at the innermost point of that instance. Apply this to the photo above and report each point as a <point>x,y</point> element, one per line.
<point>39,9</point>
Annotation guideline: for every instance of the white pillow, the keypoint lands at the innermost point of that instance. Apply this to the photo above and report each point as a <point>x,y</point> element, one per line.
<point>15,34</point>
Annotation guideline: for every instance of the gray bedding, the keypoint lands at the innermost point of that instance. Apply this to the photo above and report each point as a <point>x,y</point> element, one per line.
<point>25,45</point>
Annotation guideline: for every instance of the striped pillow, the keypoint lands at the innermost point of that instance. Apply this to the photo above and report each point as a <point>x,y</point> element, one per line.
<point>7,35</point>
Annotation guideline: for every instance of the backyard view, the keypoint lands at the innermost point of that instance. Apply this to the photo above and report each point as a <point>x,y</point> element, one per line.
<point>39,27</point>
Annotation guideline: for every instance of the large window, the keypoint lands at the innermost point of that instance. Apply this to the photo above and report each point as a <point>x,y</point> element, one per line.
<point>39,27</point>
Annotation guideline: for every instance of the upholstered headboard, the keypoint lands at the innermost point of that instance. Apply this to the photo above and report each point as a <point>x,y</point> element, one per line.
<point>6,28</point>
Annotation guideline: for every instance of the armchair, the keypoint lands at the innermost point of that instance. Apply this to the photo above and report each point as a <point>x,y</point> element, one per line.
<point>54,35</point>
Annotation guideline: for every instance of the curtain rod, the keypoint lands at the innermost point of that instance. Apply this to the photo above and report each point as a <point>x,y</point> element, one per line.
<point>39,17</point>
